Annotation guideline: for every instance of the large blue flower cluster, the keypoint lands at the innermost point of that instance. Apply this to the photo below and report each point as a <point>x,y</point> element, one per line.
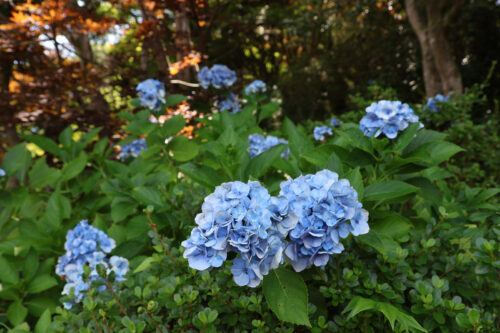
<point>260,143</point>
<point>132,149</point>
<point>321,131</point>
<point>245,219</point>
<point>229,103</point>
<point>86,245</point>
<point>151,94</point>
<point>432,103</point>
<point>219,76</point>
<point>387,117</point>
<point>328,210</point>
<point>255,87</point>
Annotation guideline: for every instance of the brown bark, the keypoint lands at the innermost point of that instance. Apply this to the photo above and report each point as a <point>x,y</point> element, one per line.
<point>440,70</point>
<point>182,37</point>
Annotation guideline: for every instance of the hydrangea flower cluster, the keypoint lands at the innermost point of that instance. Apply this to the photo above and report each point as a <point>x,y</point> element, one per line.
<point>260,143</point>
<point>387,117</point>
<point>229,103</point>
<point>245,219</point>
<point>2,173</point>
<point>432,102</point>
<point>132,149</point>
<point>86,245</point>
<point>334,122</point>
<point>321,131</point>
<point>328,210</point>
<point>219,76</point>
<point>255,87</point>
<point>151,94</point>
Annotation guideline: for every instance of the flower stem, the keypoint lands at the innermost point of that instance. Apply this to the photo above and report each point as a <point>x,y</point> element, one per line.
<point>116,298</point>
<point>165,247</point>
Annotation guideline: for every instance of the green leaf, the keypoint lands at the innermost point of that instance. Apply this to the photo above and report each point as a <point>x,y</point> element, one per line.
<point>356,181</point>
<point>43,324</point>
<point>202,174</point>
<point>7,272</point>
<point>44,143</point>
<point>388,190</point>
<point>140,126</point>
<point>183,149</point>
<point>174,99</point>
<point>30,264</point>
<point>41,174</point>
<point>268,110</point>
<point>66,137</point>
<point>145,264</point>
<point>17,161</point>
<point>423,137</point>
<point>16,313</point>
<point>298,142</point>
<point>41,283</point>
<point>394,226</point>
<point>286,294</point>
<point>319,156</point>
<point>382,243</point>
<point>359,304</point>
<point>121,207</point>
<point>147,195</point>
<point>405,138</point>
<point>437,151</point>
<point>58,207</point>
<point>74,167</point>
<point>86,138</point>
<point>260,163</point>
<point>173,126</point>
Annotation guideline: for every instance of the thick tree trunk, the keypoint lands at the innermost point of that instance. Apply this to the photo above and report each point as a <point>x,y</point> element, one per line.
<point>440,71</point>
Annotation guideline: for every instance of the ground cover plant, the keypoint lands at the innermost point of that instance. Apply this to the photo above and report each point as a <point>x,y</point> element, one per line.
<point>356,228</point>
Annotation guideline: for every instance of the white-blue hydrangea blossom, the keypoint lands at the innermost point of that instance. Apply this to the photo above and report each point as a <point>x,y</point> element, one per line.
<point>86,245</point>
<point>433,102</point>
<point>151,94</point>
<point>387,117</point>
<point>260,143</point>
<point>229,103</point>
<point>255,87</point>
<point>219,76</point>
<point>321,131</point>
<point>133,149</point>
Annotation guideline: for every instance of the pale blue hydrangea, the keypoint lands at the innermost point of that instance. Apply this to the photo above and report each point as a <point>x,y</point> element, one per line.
<point>86,245</point>
<point>334,122</point>
<point>132,149</point>
<point>219,76</point>
<point>328,210</point>
<point>387,117</point>
<point>432,103</point>
<point>321,131</point>
<point>229,103</point>
<point>151,94</point>
<point>255,87</point>
<point>260,143</point>
<point>245,219</point>
<point>2,173</point>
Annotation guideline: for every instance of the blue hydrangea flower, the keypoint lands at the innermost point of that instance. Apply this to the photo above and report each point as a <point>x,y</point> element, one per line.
<point>219,76</point>
<point>86,245</point>
<point>2,173</point>
<point>255,87</point>
<point>260,143</point>
<point>132,149</point>
<point>151,94</point>
<point>321,131</point>
<point>432,103</point>
<point>229,103</point>
<point>328,210</point>
<point>387,117</point>
<point>245,219</point>
<point>334,122</point>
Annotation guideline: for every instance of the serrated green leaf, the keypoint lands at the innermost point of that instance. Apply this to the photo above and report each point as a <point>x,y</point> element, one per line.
<point>388,190</point>
<point>17,161</point>
<point>7,272</point>
<point>406,137</point>
<point>41,174</point>
<point>173,126</point>
<point>174,99</point>
<point>121,207</point>
<point>16,313</point>
<point>41,283</point>
<point>382,243</point>
<point>260,163</point>
<point>43,324</point>
<point>356,181</point>
<point>44,143</point>
<point>183,149</point>
<point>268,109</point>
<point>74,167</point>
<point>145,264</point>
<point>147,195</point>
<point>286,294</point>
<point>202,174</point>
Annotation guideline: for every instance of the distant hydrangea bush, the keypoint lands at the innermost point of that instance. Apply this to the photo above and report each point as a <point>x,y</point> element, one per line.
<point>245,219</point>
<point>432,103</point>
<point>334,122</point>
<point>132,149</point>
<point>2,173</point>
<point>260,143</point>
<point>255,87</point>
<point>151,94</point>
<point>328,210</point>
<point>219,76</point>
<point>86,245</point>
<point>229,103</point>
<point>387,117</point>
<point>321,131</point>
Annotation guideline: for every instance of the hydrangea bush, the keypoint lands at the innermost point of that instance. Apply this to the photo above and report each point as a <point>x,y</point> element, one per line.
<point>427,262</point>
<point>259,144</point>
<point>218,76</point>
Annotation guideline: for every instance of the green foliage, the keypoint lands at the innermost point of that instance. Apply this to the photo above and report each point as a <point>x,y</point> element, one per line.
<point>429,260</point>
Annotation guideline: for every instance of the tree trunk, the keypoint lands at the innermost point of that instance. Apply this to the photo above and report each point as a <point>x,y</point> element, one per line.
<point>440,71</point>
<point>182,37</point>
